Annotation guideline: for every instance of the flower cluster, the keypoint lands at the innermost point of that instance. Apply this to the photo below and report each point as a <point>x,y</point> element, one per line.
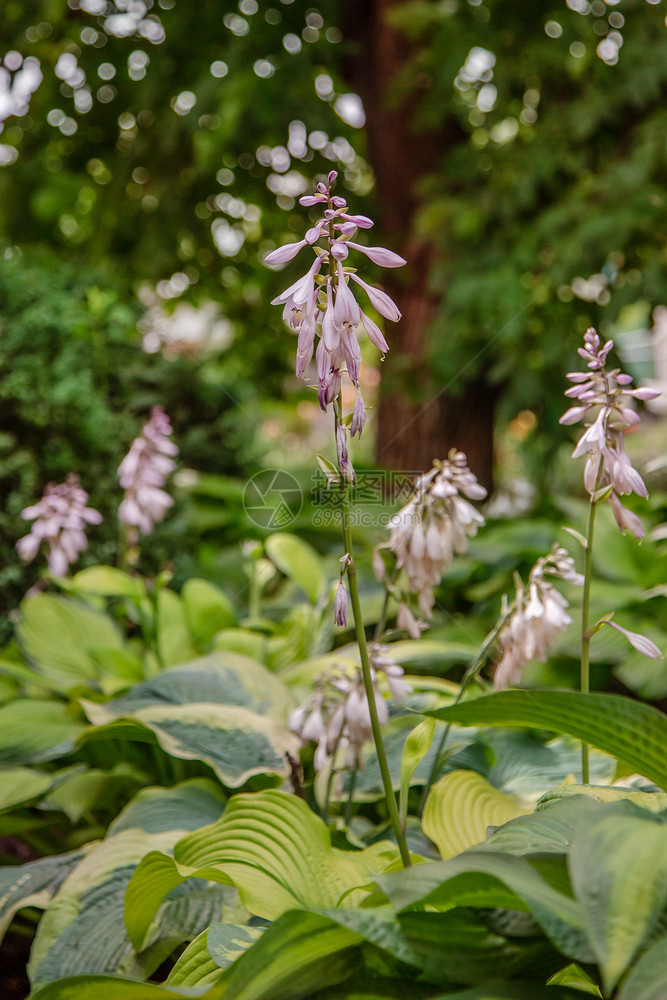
<point>603,401</point>
<point>322,302</point>
<point>337,717</point>
<point>143,472</point>
<point>435,524</point>
<point>60,518</point>
<point>535,617</point>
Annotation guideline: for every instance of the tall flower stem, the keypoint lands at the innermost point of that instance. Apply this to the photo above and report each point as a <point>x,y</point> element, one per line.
<point>584,682</point>
<point>366,667</point>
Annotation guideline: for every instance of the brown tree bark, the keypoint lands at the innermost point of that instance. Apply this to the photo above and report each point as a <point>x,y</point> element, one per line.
<point>419,420</point>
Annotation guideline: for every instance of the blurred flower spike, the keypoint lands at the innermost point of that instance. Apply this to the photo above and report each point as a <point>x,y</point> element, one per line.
<point>60,519</point>
<point>433,526</point>
<point>143,473</point>
<point>538,613</point>
<point>325,305</point>
<point>604,403</point>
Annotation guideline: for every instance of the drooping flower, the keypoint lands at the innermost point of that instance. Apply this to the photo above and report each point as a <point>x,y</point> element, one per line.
<point>337,716</point>
<point>59,518</point>
<point>324,303</point>
<point>143,473</point>
<point>341,604</point>
<point>537,614</point>
<point>435,524</point>
<point>604,402</point>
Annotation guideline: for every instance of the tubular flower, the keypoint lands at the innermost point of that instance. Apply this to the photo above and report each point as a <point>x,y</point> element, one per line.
<point>337,717</point>
<point>323,303</point>
<point>604,402</point>
<point>435,524</point>
<point>535,617</point>
<point>60,518</point>
<point>143,473</point>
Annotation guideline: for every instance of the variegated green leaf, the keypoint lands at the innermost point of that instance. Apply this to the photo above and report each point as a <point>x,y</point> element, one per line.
<point>35,730</point>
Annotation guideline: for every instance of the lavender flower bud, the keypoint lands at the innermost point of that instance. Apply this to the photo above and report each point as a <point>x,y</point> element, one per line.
<point>341,604</point>
<point>358,416</point>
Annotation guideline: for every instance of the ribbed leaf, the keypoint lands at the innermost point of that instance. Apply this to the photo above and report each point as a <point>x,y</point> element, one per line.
<point>32,884</point>
<point>234,741</point>
<point>112,988</point>
<point>269,845</point>
<point>630,730</point>
<point>415,749</point>
<point>460,808</point>
<point>619,874</point>
<point>647,979</point>
<point>654,802</point>
<point>492,880</point>
<point>195,967</point>
<point>82,931</point>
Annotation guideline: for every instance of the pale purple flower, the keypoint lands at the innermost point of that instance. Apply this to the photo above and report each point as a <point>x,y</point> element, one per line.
<point>436,524</point>
<point>143,473</point>
<point>603,400</point>
<point>60,518</point>
<point>638,641</point>
<point>326,304</point>
<point>344,464</point>
<point>358,416</point>
<point>537,614</point>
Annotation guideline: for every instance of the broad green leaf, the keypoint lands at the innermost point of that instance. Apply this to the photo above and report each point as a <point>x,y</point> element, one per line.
<point>227,941</point>
<point>619,875</point>
<point>113,988</point>
<point>234,741</point>
<point>415,749</point>
<point>174,637</point>
<point>32,884</point>
<point>297,956</point>
<point>82,932</point>
<point>493,880</point>
<point>548,831</point>
<point>21,784</point>
<point>223,678</point>
<point>188,805</point>
<point>651,801</point>
<point>77,793</point>
<point>34,730</point>
<point>107,581</point>
<point>647,979</point>
<point>630,730</point>
<point>527,766</point>
<point>240,640</point>
<point>573,975</point>
<point>299,561</point>
<point>461,807</point>
<point>431,655</point>
<point>195,967</point>
<point>269,845</point>
<point>207,610</point>
<point>56,635</point>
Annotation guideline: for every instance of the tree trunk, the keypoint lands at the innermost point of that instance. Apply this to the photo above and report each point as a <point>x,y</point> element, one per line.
<point>419,420</point>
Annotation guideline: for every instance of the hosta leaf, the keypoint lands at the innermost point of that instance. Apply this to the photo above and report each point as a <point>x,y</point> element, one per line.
<point>460,808</point>
<point>106,581</point>
<point>549,831</point>
<point>207,610</point>
<point>297,956</point>
<point>630,730</point>
<point>56,635</point>
<point>21,784</point>
<point>619,874</point>
<point>651,801</point>
<point>647,979</point>
<point>195,967</point>
<point>221,678</point>
<point>415,749</point>
<point>76,793</point>
<point>174,637</point>
<point>227,941</point>
<point>492,880</point>
<point>234,741</point>
<point>32,884</point>
<point>113,988</point>
<point>83,932</point>
<point>299,561</point>
<point>34,730</point>
<point>269,845</point>
<point>189,805</point>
